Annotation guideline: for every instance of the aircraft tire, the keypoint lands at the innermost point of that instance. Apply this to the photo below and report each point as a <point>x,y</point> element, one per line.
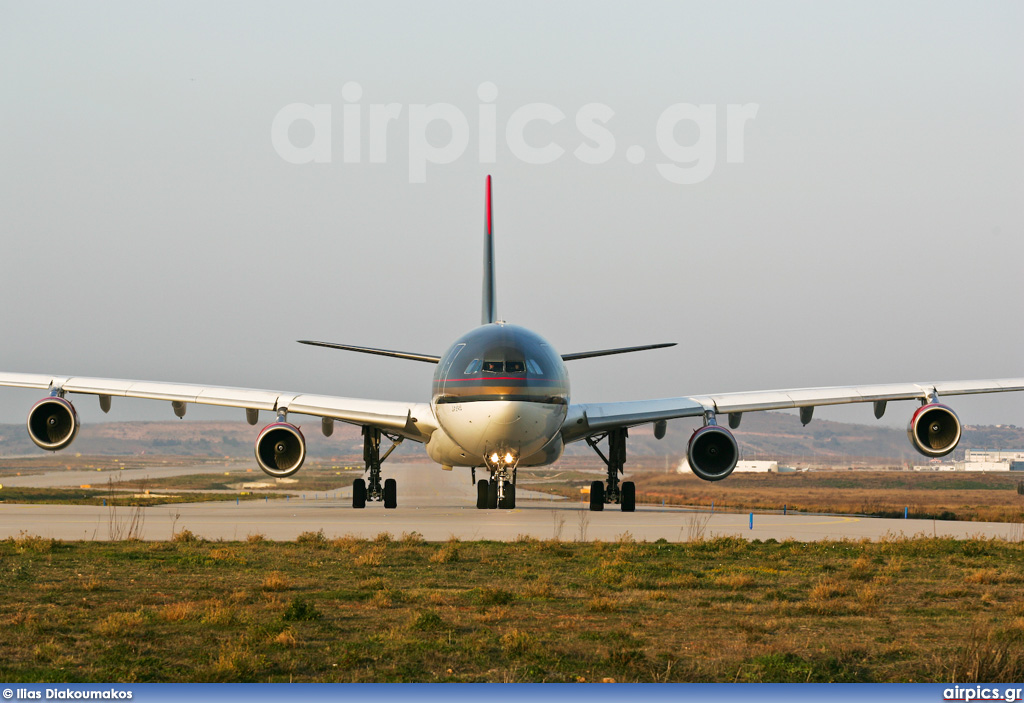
<point>628,498</point>
<point>492,494</point>
<point>482,487</point>
<point>390,494</point>
<point>510,497</point>
<point>359,493</point>
<point>597,496</point>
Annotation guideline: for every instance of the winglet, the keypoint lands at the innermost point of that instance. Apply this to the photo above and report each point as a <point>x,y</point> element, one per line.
<point>490,303</point>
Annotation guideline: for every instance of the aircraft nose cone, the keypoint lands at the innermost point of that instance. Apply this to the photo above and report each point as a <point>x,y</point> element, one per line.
<point>478,427</point>
<point>507,414</point>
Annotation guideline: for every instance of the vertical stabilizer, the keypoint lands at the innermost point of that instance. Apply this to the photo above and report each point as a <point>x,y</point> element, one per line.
<point>490,312</point>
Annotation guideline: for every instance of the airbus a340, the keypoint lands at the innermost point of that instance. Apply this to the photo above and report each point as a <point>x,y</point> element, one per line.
<point>500,400</point>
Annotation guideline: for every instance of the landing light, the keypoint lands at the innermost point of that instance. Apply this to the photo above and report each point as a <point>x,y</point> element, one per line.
<point>495,457</point>
<point>509,458</point>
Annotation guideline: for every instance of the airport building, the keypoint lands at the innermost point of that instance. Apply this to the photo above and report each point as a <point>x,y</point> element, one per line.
<point>982,466</point>
<point>980,460</point>
<point>761,467</point>
<point>972,455</point>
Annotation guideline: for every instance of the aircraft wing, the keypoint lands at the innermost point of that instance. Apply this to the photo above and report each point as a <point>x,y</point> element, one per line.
<point>587,419</point>
<point>412,420</point>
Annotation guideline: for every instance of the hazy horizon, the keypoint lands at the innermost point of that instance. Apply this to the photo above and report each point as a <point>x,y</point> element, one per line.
<point>873,231</point>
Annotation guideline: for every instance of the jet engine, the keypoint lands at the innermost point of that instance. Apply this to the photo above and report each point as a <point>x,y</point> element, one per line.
<point>280,449</point>
<point>712,453</point>
<point>52,423</point>
<point>934,430</point>
<point>548,454</point>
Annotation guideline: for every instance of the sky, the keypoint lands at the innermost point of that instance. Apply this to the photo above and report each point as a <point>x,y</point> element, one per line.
<point>187,188</point>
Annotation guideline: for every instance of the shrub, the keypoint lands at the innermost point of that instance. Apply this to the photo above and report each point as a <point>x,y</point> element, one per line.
<point>495,596</point>
<point>373,557</point>
<point>219,614</point>
<point>427,621</point>
<point>274,581</point>
<point>174,612</point>
<point>735,581</point>
<point>186,537</point>
<point>982,576</point>
<point>515,643</point>
<point>286,638</point>
<point>301,609</point>
<point>120,624</point>
<point>313,539</point>
<point>446,554</point>
<point>34,543</point>
<point>603,605</point>
<point>827,588</point>
<point>986,657</point>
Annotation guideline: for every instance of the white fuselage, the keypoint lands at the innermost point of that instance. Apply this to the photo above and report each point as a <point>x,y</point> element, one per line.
<point>499,389</point>
<point>481,427</point>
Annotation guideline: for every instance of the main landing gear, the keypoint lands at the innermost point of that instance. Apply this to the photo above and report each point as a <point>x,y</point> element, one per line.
<point>371,489</point>
<point>498,492</point>
<point>612,491</point>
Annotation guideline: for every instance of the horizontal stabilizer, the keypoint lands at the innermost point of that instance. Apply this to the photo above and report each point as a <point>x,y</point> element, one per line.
<point>608,352</point>
<point>381,352</point>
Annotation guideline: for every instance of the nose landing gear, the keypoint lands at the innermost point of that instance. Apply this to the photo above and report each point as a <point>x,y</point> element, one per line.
<point>371,488</point>
<point>499,492</point>
<point>611,490</point>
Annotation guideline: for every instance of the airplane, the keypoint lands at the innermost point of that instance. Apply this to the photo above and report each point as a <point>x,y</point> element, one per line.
<point>500,400</point>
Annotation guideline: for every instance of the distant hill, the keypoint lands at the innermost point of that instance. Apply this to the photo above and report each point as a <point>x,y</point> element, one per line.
<point>780,436</point>
<point>188,438</point>
<point>767,435</point>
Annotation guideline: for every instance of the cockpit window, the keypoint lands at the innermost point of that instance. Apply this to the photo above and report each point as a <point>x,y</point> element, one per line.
<point>476,365</point>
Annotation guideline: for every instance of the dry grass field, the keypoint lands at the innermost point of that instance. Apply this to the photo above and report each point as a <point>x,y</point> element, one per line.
<point>119,497</point>
<point>400,609</point>
<point>988,497</point>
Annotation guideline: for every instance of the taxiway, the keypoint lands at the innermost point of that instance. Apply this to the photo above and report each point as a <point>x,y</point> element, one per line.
<point>440,505</point>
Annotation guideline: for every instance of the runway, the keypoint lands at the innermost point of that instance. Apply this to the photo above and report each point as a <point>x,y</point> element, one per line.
<point>440,505</point>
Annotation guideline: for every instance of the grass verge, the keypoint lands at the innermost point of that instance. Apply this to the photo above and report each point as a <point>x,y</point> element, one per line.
<point>401,609</point>
<point>95,496</point>
<point>986,497</point>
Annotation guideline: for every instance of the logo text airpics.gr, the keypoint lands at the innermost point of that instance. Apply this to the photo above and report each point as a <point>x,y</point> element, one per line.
<point>442,133</point>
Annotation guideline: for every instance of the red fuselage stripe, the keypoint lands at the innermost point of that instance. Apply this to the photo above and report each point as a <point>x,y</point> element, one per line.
<point>493,378</point>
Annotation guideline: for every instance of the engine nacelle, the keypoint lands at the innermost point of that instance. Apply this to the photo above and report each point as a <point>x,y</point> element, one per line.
<point>712,453</point>
<point>280,449</point>
<point>548,454</point>
<point>52,423</point>
<point>934,430</point>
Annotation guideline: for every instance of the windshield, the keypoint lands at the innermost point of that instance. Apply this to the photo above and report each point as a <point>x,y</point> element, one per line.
<point>501,361</point>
